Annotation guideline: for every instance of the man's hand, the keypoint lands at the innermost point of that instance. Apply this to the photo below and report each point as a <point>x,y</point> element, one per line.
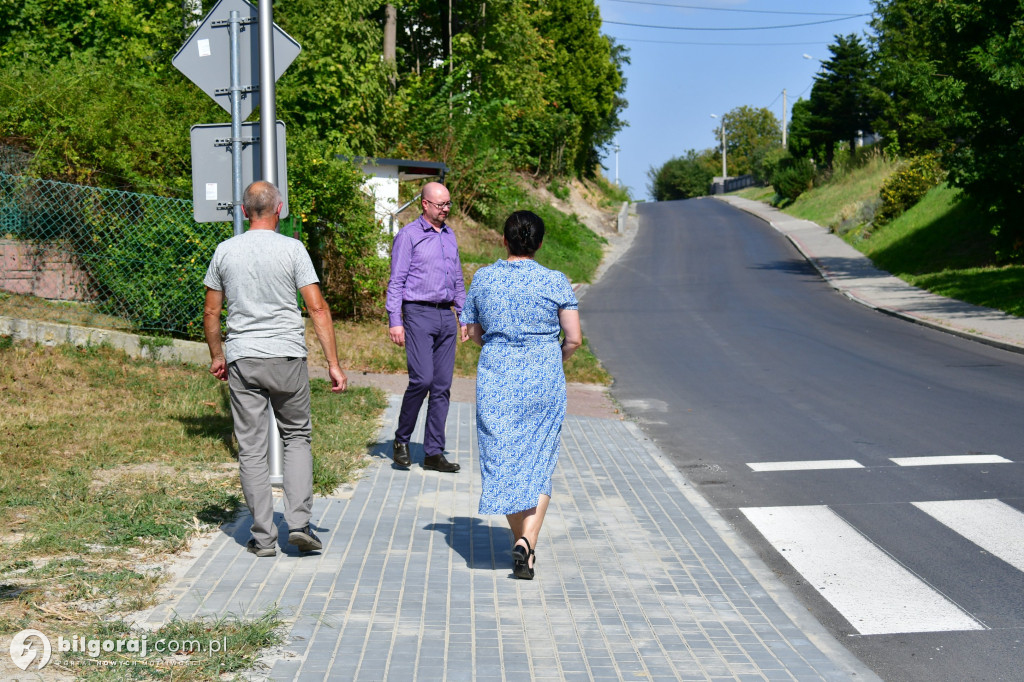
<point>463,332</point>
<point>219,368</point>
<point>339,382</point>
<point>397,335</point>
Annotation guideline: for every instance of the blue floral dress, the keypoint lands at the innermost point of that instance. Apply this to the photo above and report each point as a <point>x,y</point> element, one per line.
<point>520,384</point>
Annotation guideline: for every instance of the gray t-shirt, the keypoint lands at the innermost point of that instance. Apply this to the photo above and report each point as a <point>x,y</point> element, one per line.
<point>260,273</point>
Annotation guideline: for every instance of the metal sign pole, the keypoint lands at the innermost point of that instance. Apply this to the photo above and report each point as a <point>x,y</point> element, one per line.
<point>268,163</point>
<point>201,60</point>
<point>236,125</point>
<point>268,94</point>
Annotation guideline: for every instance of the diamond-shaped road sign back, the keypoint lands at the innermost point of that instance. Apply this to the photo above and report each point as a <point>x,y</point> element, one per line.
<point>205,58</point>
<point>211,168</point>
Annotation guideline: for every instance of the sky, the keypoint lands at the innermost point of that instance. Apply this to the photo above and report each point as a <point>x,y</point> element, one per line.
<point>677,78</point>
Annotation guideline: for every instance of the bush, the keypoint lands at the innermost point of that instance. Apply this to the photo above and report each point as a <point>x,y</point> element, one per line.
<point>149,267</point>
<point>559,189</point>
<point>907,186</point>
<point>766,162</point>
<point>682,177</point>
<point>133,137</point>
<point>613,194</point>
<point>793,177</point>
<point>338,228</point>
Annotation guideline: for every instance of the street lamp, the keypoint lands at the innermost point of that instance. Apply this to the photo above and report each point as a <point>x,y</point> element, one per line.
<point>724,174</point>
<point>616,164</point>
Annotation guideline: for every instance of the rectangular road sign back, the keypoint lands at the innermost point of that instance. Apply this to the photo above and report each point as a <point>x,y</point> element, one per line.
<point>211,168</point>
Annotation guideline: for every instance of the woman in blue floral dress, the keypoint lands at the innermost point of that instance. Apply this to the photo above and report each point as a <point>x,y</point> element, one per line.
<point>515,310</point>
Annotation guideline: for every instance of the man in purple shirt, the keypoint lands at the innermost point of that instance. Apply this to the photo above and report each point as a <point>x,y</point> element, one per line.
<point>426,283</point>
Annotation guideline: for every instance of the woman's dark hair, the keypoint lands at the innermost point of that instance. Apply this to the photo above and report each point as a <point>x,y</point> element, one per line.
<point>524,231</point>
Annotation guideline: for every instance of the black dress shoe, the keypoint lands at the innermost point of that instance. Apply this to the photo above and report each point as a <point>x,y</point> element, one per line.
<point>439,463</point>
<point>401,452</point>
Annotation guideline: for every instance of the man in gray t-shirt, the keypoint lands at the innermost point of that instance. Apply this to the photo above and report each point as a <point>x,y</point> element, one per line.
<point>263,358</point>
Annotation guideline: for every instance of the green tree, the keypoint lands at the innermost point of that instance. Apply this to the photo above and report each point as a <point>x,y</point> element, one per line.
<point>683,177</point>
<point>799,135</point>
<point>544,73</point>
<point>141,34</point>
<point>585,77</point>
<point>338,85</point>
<point>962,73</point>
<point>843,98</point>
<point>747,131</point>
<point>911,79</point>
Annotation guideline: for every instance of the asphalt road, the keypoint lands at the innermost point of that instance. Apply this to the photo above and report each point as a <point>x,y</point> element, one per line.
<point>806,419</point>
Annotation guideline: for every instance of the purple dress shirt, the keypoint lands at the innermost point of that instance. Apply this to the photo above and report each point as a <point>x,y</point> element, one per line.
<point>425,266</point>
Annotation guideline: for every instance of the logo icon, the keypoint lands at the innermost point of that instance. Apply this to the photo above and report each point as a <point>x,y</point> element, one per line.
<point>24,649</point>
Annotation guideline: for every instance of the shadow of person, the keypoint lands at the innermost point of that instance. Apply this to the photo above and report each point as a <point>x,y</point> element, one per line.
<point>481,545</point>
<point>240,530</point>
<point>386,450</point>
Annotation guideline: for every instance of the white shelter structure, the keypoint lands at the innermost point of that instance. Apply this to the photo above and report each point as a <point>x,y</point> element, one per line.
<point>382,185</point>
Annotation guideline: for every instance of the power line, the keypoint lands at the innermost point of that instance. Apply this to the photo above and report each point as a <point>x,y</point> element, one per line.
<point>741,28</point>
<point>688,42</point>
<point>731,9</point>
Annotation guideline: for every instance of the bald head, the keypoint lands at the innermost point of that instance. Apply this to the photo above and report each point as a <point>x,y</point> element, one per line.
<point>261,200</point>
<point>436,203</point>
<point>436,192</point>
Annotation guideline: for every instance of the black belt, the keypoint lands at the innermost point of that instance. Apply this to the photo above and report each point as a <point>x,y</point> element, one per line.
<point>430,304</point>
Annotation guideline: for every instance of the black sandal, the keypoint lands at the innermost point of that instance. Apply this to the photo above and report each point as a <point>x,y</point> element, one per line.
<point>521,560</point>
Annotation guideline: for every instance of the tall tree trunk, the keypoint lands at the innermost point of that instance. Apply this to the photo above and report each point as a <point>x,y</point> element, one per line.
<point>390,34</point>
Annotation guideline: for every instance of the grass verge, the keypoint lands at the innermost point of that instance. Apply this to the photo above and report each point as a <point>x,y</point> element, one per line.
<point>204,649</point>
<point>846,196</point>
<point>755,193</point>
<point>65,312</point>
<point>943,245</point>
<point>110,465</point>
<point>569,246</point>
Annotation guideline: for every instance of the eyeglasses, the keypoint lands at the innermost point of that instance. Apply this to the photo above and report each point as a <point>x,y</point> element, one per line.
<point>446,204</point>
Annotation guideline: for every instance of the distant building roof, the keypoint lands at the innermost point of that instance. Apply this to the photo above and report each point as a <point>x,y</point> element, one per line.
<point>407,169</point>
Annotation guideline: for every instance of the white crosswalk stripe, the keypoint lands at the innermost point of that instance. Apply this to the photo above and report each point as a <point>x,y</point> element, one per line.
<point>807,465</point>
<point>994,526</point>
<point>922,461</point>
<point>873,591</point>
<point>944,460</point>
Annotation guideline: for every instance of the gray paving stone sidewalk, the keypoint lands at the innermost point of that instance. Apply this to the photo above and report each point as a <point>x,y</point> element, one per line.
<point>635,580</point>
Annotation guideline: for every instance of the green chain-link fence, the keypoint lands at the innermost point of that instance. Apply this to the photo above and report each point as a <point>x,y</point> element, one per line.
<point>144,256</point>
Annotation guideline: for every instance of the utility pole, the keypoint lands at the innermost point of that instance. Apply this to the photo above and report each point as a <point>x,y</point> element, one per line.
<point>783,118</point>
<point>724,174</point>
<point>616,164</point>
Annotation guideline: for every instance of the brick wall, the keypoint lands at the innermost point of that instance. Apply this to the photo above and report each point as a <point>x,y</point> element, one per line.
<point>44,270</point>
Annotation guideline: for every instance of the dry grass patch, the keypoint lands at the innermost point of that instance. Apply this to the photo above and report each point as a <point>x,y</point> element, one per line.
<point>66,312</point>
<point>109,466</point>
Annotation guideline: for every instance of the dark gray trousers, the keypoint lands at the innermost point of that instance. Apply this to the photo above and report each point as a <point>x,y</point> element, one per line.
<point>285,381</point>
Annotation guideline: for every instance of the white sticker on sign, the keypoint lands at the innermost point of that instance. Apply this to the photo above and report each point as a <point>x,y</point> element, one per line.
<point>211,191</point>
<point>204,47</point>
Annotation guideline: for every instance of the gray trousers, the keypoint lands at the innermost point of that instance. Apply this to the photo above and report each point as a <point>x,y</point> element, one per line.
<point>285,381</point>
